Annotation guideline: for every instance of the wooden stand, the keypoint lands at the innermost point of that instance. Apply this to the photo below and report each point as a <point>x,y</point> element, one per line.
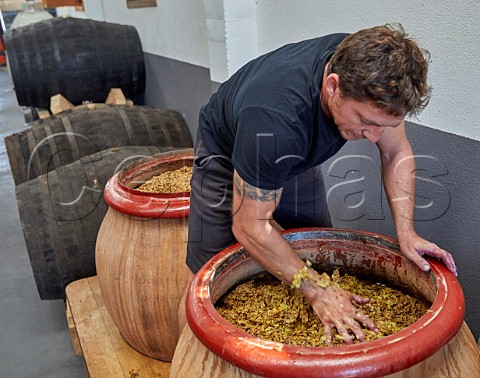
<point>59,104</point>
<point>97,339</point>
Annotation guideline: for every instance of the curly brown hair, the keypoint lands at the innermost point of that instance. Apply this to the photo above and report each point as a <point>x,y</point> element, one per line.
<point>384,65</point>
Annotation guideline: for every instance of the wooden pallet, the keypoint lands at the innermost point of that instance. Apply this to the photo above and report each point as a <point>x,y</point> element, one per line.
<point>97,339</point>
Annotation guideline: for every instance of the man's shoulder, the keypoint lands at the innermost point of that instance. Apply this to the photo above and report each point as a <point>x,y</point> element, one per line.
<point>326,41</point>
<point>321,43</point>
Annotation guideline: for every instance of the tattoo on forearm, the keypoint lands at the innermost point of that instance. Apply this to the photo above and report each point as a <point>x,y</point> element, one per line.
<point>249,191</point>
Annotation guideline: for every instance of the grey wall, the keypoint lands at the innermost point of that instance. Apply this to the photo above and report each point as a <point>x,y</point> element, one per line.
<point>448,185</point>
<point>177,85</point>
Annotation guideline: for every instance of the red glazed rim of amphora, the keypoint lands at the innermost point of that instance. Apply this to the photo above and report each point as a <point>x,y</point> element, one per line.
<point>375,358</point>
<point>120,192</point>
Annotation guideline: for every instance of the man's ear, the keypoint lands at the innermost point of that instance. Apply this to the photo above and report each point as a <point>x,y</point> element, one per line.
<point>331,84</point>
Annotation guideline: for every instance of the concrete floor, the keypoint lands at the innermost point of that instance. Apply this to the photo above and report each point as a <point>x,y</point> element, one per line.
<point>34,337</point>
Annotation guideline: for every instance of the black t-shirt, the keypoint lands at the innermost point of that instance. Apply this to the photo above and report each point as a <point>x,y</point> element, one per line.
<point>267,119</point>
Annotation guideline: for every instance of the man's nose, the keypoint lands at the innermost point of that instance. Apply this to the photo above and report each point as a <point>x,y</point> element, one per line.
<point>373,133</point>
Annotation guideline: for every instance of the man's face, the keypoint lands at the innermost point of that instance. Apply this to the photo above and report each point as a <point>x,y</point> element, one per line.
<point>360,120</point>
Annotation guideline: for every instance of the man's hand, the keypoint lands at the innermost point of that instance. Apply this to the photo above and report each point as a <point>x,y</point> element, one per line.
<point>414,247</point>
<point>334,308</point>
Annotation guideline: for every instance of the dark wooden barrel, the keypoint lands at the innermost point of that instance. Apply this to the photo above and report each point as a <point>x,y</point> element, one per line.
<point>78,58</point>
<point>61,213</point>
<point>61,139</point>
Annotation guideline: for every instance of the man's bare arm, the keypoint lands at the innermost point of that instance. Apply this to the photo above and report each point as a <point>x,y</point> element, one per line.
<point>398,172</point>
<point>252,210</point>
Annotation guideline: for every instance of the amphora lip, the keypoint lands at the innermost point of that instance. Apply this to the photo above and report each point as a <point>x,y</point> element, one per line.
<point>354,250</point>
<point>121,193</point>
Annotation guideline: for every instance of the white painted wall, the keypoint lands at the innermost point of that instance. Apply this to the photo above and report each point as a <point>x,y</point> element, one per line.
<point>173,29</point>
<point>225,34</point>
<point>232,35</point>
<point>70,12</point>
<point>448,29</point>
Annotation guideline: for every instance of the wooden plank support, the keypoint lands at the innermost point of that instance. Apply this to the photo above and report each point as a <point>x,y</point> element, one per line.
<point>116,97</point>
<point>43,113</point>
<point>77,349</point>
<point>59,104</point>
<point>105,351</point>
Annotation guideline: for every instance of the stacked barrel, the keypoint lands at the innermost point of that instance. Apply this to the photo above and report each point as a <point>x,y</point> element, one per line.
<point>61,163</point>
<point>80,59</point>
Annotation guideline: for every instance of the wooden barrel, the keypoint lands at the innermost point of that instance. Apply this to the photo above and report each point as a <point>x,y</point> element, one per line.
<point>61,212</point>
<point>140,256</point>
<point>61,139</point>
<point>79,58</point>
<point>438,345</point>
